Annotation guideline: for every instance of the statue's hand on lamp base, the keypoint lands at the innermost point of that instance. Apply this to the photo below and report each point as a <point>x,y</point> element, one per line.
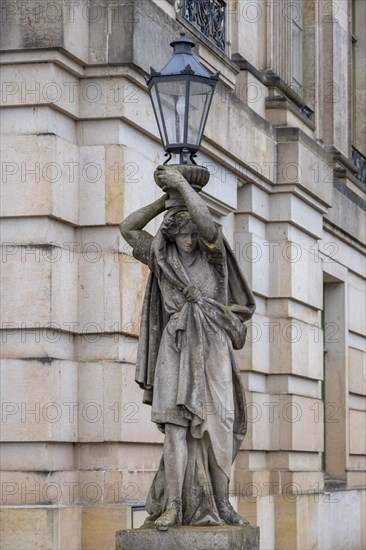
<point>169,178</point>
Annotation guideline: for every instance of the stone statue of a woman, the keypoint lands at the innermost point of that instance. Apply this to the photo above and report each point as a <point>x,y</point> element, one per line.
<point>193,317</point>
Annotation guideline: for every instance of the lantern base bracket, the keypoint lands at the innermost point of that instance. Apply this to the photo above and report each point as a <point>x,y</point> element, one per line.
<point>184,157</point>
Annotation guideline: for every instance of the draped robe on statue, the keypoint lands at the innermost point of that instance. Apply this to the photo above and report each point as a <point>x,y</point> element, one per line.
<point>186,364</point>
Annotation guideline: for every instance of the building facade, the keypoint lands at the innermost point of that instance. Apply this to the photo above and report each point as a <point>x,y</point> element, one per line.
<point>285,144</point>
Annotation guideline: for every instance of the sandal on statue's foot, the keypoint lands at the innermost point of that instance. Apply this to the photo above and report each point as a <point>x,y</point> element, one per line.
<point>172,515</point>
<point>228,514</point>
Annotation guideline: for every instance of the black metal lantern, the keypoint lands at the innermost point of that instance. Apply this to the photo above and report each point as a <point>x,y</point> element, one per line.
<point>181,94</point>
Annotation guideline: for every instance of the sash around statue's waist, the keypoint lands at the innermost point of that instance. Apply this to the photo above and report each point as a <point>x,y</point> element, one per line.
<point>222,316</point>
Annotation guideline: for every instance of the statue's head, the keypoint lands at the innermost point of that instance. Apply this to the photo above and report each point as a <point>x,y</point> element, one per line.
<point>180,229</point>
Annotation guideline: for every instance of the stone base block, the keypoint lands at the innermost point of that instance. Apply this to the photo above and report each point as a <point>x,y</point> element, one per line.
<point>190,537</point>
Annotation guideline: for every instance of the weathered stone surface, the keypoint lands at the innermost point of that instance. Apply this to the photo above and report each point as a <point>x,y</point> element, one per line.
<point>40,184</point>
<point>348,214</point>
<point>188,538</point>
<point>317,517</point>
<point>41,527</point>
<point>280,422</point>
<point>100,524</point>
<point>356,304</point>
<point>357,422</point>
<point>42,84</point>
<point>33,456</point>
<point>33,24</point>
<point>301,161</point>
<point>35,393</point>
<point>357,371</point>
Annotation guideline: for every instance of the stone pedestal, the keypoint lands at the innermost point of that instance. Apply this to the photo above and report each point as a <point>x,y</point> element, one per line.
<point>189,537</point>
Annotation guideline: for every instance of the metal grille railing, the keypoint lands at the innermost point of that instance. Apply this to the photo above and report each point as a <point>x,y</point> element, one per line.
<point>208,16</point>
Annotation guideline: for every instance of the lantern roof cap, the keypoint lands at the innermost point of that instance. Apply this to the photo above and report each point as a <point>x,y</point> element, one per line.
<point>182,61</point>
<point>183,40</point>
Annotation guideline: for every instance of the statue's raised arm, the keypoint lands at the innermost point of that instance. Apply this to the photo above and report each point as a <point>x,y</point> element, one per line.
<point>132,227</point>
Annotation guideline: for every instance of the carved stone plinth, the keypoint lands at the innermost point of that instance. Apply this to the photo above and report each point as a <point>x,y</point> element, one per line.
<point>189,537</point>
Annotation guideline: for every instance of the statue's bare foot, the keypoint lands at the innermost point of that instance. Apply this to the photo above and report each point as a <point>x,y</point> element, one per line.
<point>228,514</point>
<point>172,515</point>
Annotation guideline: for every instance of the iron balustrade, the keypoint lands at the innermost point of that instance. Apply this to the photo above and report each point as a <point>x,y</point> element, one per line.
<point>208,16</point>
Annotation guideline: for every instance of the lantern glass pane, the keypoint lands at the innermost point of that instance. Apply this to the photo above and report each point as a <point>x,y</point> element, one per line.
<point>199,102</point>
<point>173,104</point>
<point>154,99</point>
